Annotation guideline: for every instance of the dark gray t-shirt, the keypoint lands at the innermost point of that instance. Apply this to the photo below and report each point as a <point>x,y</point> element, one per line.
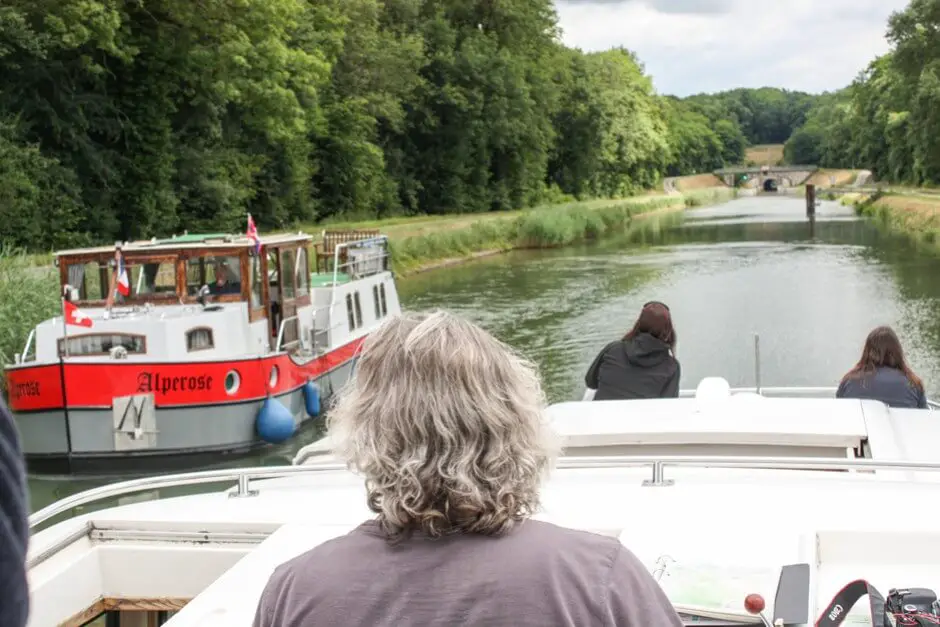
<point>888,385</point>
<point>538,575</point>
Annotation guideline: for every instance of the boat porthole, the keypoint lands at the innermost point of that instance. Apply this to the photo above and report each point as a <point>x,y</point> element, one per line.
<point>272,380</point>
<point>232,381</point>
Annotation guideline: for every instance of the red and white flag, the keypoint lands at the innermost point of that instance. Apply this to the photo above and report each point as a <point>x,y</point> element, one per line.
<point>123,282</point>
<point>252,233</point>
<point>75,316</point>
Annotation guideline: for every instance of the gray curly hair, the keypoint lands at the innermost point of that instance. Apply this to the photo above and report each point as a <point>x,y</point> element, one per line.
<point>446,423</point>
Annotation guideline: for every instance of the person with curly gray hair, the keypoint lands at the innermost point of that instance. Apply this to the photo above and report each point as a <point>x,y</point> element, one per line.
<point>447,426</point>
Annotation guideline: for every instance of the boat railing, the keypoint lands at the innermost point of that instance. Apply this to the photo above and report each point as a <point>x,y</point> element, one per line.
<point>804,392</point>
<point>773,392</point>
<point>378,243</point>
<point>21,357</point>
<point>657,464</point>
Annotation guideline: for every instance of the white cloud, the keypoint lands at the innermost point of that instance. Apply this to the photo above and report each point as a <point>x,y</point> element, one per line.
<point>692,46</point>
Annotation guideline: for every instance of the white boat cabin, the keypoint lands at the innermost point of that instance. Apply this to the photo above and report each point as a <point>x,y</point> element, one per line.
<point>715,494</point>
<point>216,296</point>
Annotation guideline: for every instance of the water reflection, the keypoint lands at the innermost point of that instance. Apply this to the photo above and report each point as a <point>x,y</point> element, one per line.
<point>812,290</point>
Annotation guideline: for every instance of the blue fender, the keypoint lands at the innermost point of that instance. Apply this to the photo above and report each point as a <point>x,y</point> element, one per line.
<point>275,423</point>
<point>312,398</point>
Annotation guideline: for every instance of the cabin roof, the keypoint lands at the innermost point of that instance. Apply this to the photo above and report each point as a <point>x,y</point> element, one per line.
<point>738,419</point>
<point>191,241</point>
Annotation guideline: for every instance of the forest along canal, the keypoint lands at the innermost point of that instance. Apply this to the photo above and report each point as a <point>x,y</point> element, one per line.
<point>753,265</point>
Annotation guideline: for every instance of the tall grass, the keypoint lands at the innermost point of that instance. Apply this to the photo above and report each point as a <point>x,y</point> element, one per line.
<point>29,294</point>
<point>539,228</point>
<point>917,218</point>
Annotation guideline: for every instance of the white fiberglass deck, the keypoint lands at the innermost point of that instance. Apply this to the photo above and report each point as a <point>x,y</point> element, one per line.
<point>723,531</point>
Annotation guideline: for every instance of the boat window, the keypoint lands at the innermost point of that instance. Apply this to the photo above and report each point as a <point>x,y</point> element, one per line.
<point>199,339</point>
<point>358,310</point>
<point>257,284</point>
<point>375,298</point>
<point>153,278</point>
<point>287,262</point>
<point>302,273</point>
<point>349,312</point>
<point>222,273</point>
<point>102,343</point>
<point>90,279</point>
<point>382,297</point>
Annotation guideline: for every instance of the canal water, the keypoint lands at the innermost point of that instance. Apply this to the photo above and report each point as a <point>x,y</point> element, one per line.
<point>751,266</point>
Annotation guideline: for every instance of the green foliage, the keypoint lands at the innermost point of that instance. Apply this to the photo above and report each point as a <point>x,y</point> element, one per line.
<point>765,116</point>
<point>28,294</point>
<point>135,119</point>
<point>888,120</point>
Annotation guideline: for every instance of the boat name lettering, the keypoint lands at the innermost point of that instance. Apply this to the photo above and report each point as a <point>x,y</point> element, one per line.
<point>834,614</point>
<point>27,388</point>
<point>155,382</point>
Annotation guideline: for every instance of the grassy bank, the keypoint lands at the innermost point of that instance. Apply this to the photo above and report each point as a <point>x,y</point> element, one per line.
<point>764,154</point>
<point>29,294</point>
<point>443,243</point>
<point>917,216</point>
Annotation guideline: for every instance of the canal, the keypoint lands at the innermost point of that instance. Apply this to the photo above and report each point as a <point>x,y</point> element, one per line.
<point>751,266</point>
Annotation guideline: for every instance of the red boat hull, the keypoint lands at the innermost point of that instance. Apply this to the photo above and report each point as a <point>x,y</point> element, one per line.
<point>65,413</point>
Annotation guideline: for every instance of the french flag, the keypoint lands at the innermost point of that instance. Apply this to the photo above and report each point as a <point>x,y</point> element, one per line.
<point>123,282</point>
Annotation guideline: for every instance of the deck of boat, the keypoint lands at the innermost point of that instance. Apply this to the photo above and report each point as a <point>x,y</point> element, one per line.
<point>727,522</point>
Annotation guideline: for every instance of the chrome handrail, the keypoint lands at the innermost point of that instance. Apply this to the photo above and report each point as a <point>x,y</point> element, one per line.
<point>242,476</point>
<point>123,488</point>
<point>280,334</point>
<point>361,242</point>
<point>775,391</point>
<point>21,358</point>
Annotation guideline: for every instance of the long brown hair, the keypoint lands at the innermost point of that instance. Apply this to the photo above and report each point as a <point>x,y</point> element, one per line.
<point>883,350</point>
<point>656,320</point>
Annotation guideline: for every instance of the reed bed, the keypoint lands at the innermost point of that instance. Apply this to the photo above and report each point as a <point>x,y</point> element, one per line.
<point>29,294</point>
<point>537,228</point>
<point>917,217</point>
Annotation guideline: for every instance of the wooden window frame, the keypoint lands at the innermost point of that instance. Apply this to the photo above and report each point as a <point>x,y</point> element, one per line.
<point>105,259</point>
<point>241,252</point>
<point>299,301</point>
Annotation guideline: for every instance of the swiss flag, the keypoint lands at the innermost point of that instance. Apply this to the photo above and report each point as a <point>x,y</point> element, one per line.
<point>75,316</point>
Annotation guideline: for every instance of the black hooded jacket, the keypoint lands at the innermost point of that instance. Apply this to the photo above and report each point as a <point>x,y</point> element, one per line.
<point>641,367</point>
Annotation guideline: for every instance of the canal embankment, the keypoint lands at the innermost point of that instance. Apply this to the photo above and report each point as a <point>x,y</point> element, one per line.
<point>914,213</point>
<point>425,245</point>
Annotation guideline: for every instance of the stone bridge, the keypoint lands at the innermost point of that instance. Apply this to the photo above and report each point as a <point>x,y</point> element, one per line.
<point>760,176</point>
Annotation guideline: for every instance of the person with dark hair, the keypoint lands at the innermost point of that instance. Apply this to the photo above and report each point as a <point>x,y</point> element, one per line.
<point>640,365</point>
<point>883,375</point>
<point>14,525</point>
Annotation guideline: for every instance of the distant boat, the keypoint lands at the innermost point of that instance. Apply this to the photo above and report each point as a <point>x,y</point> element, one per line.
<point>218,345</point>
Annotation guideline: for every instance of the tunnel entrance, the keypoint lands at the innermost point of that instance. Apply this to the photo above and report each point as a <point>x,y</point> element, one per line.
<point>770,185</point>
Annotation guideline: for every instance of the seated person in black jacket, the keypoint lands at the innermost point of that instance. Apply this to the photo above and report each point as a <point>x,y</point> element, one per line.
<point>641,365</point>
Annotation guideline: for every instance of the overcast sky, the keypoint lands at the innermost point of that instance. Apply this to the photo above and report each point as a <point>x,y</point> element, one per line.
<point>692,46</point>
